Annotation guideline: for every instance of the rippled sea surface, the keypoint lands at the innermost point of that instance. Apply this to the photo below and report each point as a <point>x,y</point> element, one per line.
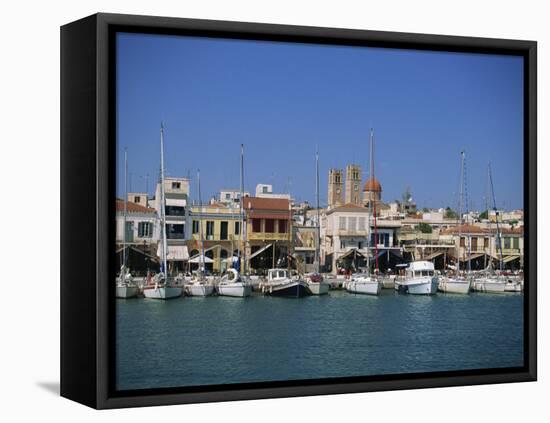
<point>217,340</point>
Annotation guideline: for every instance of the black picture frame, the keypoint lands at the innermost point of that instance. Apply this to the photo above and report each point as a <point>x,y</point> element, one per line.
<point>87,208</point>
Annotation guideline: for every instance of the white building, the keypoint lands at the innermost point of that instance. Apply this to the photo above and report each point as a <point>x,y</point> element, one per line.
<point>266,191</point>
<point>231,196</point>
<point>344,237</point>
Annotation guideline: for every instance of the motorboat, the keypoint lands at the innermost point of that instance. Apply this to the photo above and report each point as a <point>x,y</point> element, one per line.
<point>420,279</point>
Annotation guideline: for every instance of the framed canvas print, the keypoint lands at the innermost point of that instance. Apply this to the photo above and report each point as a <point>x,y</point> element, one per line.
<point>255,211</point>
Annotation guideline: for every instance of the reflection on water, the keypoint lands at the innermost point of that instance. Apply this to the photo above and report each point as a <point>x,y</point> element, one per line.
<point>218,340</point>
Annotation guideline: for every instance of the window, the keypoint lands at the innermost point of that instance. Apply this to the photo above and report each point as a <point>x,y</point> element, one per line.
<point>223,230</point>
<point>264,190</point>
<point>269,226</point>
<point>228,196</point>
<point>196,226</point>
<point>145,229</point>
<point>342,223</point>
<point>176,185</point>
<point>485,242</point>
<point>175,210</point>
<point>352,223</point>
<point>282,226</point>
<point>137,199</point>
<point>175,231</point>
<point>473,245</point>
<point>256,225</point>
<point>462,241</point>
<point>515,242</point>
<point>237,228</point>
<point>360,245</point>
<point>342,244</point>
<point>507,243</point>
<point>209,228</point>
<point>361,222</point>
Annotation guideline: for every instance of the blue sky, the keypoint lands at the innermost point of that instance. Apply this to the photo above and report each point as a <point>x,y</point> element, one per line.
<point>284,100</point>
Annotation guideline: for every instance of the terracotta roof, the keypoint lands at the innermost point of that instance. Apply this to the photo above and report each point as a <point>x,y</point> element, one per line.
<point>465,229</point>
<point>518,230</point>
<point>257,203</point>
<point>348,207</point>
<point>132,207</point>
<point>372,184</point>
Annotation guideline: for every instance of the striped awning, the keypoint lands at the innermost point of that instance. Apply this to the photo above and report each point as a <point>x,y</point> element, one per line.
<point>508,259</point>
<point>434,255</point>
<point>260,251</point>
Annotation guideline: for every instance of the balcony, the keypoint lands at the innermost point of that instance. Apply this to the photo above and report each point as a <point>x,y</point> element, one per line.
<point>267,236</point>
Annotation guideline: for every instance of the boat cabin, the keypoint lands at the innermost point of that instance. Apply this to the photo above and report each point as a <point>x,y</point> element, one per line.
<point>418,269</point>
<point>277,274</point>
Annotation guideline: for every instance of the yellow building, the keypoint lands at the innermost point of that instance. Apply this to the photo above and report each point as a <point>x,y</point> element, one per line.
<point>220,225</point>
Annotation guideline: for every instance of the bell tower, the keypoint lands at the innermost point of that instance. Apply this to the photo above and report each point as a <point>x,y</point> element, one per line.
<point>335,187</point>
<point>353,184</point>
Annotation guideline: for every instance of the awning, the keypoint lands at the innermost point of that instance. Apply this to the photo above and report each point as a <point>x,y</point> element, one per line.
<point>472,257</point>
<point>351,252</point>
<point>175,252</point>
<point>260,251</point>
<point>508,259</point>
<point>199,259</point>
<point>433,255</point>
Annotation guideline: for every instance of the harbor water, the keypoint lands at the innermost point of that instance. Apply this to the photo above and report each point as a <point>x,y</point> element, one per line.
<point>195,341</point>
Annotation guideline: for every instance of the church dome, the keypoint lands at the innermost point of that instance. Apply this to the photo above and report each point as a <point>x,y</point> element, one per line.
<point>372,185</point>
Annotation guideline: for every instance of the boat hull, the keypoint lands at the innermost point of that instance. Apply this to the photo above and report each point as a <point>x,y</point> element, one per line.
<point>162,293</point>
<point>234,290</point>
<point>427,286</point>
<point>364,287</point>
<point>296,289</point>
<point>127,291</point>
<point>454,286</point>
<point>388,283</point>
<point>318,288</point>
<point>199,290</point>
<point>490,286</point>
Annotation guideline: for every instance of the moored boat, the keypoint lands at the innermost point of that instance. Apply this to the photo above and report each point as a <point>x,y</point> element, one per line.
<point>420,279</point>
<point>233,285</point>
<point>454,285</point>
<point>280,284</point>
<point>316,284</point>
<point>364,284</point>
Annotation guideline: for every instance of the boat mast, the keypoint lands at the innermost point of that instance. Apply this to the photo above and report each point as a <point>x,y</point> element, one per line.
<point>123,272</point>
<point>374,202</point>
<point>244,231</point>
<point>460,197</point>
<point>201,261</point>
<point>318,237</point>
<point>162,204</point>
<point>467,211</point>
<point>241,246</point>
<point>499,240</point>
<point>369,209</point>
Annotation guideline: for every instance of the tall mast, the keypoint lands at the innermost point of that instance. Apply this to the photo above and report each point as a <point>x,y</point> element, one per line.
<point>241,247</point>
<point>318,237</point>
<point>374,202</point>
<point>460,197</point>
<point>369,205</point>
<point>200,223</point>
<point>162,203</point>
<point>123,276</point>
<point>499,240</point>
<point>467,210</point>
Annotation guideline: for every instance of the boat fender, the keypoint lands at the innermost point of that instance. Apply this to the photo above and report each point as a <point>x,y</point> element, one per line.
<point>235,276</point>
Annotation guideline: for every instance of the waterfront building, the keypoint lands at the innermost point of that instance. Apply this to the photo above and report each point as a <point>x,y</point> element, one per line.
<point>231,196</point>
<point>268,232</point>
<point>353,184</point>
<point>142,236</point>
<point>221,230</point>
<point>176,192</point>
<point>345,242</point>
<point>335,188</point>
<point>141,198</point>
<point>266,191</point>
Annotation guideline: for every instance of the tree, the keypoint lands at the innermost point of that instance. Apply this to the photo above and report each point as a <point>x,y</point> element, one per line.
<point>450,213</point>
<point>424,228</point>
<point>484,214</point>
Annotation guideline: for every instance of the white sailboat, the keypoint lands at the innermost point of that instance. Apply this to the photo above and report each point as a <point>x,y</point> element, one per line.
<point>125,286</point>
<point>420,279</point>
<point>199,286</point>
<point>493,283</point>
<point>314,281</point>
<point>366,283</point>
<point>162,289</point>
<point>459,284</point>
<point>233,284</point>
